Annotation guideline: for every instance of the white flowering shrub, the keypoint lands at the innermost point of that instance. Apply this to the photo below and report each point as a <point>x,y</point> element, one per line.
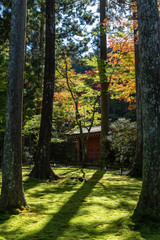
<point>122,137</point>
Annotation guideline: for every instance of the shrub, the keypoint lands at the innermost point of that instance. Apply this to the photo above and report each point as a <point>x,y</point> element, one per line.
<point>122,137</point>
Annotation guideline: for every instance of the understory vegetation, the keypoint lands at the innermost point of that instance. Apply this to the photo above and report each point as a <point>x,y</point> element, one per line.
<point>122,138</point>
<point>99,207</point>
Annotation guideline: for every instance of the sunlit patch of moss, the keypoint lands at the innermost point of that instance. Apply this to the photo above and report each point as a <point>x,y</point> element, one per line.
<point>98,208</point>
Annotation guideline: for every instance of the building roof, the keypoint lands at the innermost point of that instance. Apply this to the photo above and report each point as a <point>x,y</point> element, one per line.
<point>96,129</point>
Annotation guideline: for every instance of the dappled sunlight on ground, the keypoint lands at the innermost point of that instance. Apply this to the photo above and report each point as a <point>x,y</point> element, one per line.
<point>67,209</point>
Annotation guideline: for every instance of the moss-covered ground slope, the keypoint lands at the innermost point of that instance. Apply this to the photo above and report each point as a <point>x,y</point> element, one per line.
<point>68,209</point>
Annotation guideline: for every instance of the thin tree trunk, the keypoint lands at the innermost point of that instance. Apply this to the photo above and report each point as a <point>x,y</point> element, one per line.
<point>42,167</point>
<point>148,18</point>
<point>104,150</point>
<point>136,170</point>
<point>83,147</point>
<point>12,194</point>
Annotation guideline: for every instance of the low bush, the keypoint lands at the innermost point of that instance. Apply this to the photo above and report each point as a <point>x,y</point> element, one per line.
<point>122,137</point>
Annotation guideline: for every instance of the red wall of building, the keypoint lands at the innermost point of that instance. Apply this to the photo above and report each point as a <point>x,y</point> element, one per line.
<point>93,148</point>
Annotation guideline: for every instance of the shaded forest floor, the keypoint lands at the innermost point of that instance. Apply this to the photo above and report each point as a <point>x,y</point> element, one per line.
<point>68,209</point>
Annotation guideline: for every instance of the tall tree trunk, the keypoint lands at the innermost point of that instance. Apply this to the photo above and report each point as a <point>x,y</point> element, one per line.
<point>12,194</point>
<point>41,51</point>
<point>148,18</point>
<point>104,150</point>
<point>136,170</point>
<point>42,167</point>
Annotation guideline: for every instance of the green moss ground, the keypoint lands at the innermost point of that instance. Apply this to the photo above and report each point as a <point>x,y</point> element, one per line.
<point>67,209</point>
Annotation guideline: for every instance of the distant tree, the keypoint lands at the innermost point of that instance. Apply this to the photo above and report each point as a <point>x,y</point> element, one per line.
<point>12,194</point>
<point>5,20</point>
<point>148,19</point>
<point>83,101</point>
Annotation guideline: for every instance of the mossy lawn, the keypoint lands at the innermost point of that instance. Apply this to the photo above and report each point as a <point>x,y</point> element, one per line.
<point>99,208</point>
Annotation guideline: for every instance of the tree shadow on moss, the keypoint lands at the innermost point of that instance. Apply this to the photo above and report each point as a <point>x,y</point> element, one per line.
<point>67,170</point>
<point>61,220</point>
<point>60,225</point>
<point>30,182</point>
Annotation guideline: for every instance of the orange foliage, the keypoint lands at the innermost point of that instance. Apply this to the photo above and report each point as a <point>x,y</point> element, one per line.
<point>122,63</point>
<point>64,98</point>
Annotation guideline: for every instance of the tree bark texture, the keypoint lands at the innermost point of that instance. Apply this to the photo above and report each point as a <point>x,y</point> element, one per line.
<point>104,149</point>
<point>12,194</point>
<point>148,17</point>
<point>41,51</point>
<point>136,170</point>
<point>42,167</point>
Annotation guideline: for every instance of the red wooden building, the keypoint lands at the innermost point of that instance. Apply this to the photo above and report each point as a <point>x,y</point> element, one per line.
<point>93,149</point>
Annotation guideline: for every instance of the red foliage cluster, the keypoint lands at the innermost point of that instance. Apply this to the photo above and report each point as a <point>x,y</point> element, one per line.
<point>96,86</point>
<point>91,73</point>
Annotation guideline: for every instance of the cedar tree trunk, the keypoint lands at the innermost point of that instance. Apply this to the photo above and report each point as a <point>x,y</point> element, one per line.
<point>41,50</point>
<point>12,194</point>
<point>104,149</point>
<point>136,170</point>
<point>42,168</point>
<point>148,17</point>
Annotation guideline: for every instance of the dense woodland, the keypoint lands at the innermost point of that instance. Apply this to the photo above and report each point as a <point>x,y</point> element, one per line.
<point>72,65</point>
<point>77,69</point>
